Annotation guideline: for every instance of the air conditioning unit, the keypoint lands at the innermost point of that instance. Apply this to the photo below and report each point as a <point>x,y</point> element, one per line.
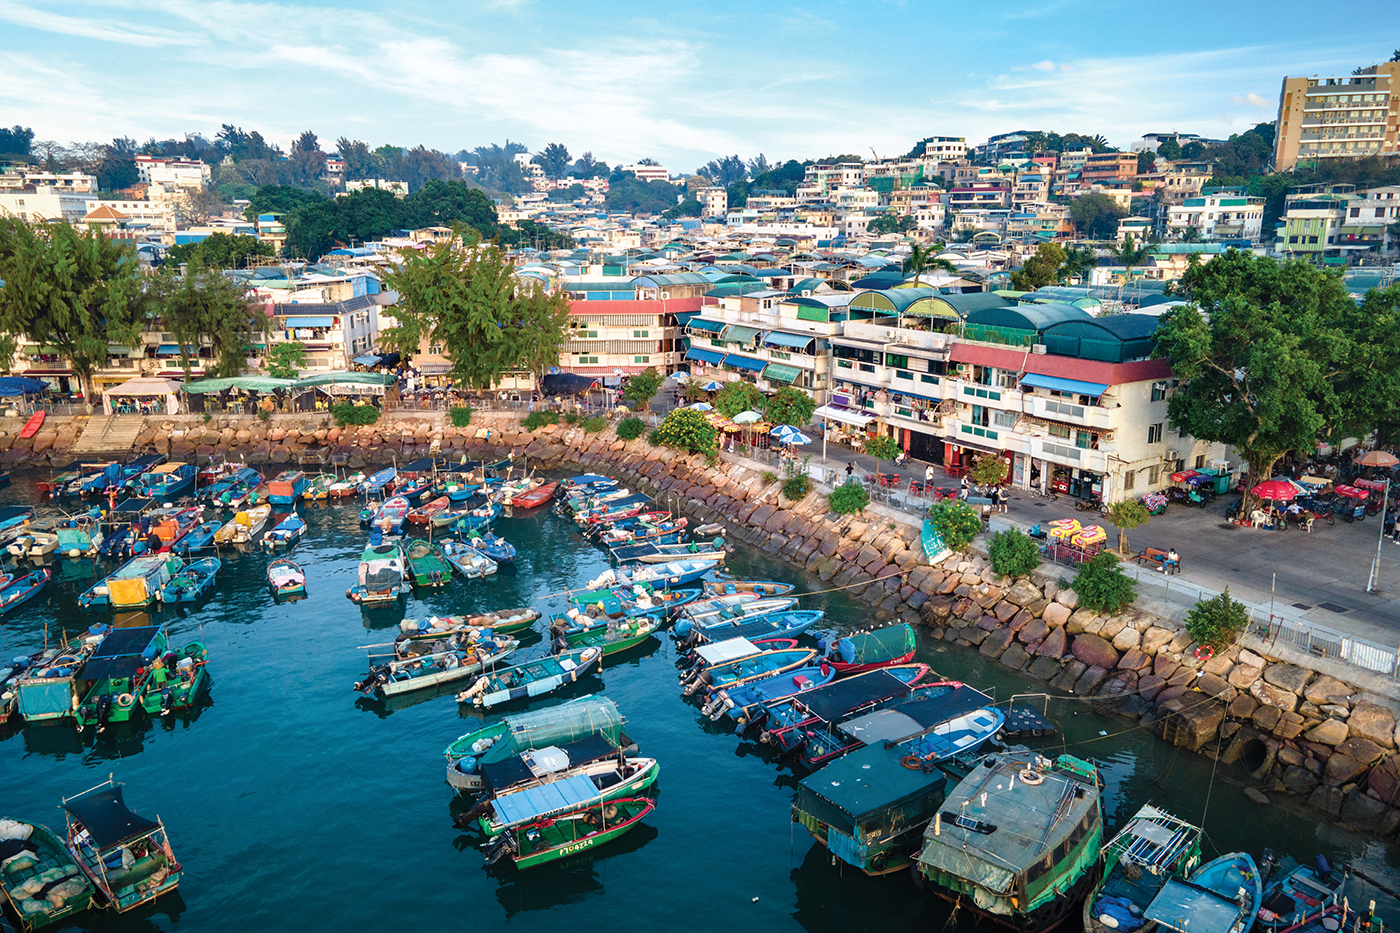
<point>1173,455</point>
<point>1039,349</point>
<point>665,295</point>
<point>889,335</point>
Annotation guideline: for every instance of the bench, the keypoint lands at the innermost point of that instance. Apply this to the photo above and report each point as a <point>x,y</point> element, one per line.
<point>1160,557</point>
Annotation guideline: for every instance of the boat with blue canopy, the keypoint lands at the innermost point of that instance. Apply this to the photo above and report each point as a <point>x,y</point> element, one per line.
<point>126,856</point>
<point>782,623</point>
<point>493,546</point>
<point>193,581</point>
<point>285,534</point>
<point>134,585</point>
<point>531,678</point>
<point>168,481</point>
<point>467,560</point>
<point>198,538</point>
<point>818,708</point>
<point>1152,847</point>
<point>1222,896</point>
<point>741,702</point>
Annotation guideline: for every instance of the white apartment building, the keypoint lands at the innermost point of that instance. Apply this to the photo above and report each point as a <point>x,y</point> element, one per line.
<point>1219,216</point>
<point>714,201</point>
<point>647,172</point>
<point>173,173</point>
<point>38,196</point>
<point>821,179</point>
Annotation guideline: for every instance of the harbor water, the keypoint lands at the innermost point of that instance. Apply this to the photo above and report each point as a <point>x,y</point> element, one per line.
<point>295,804</point>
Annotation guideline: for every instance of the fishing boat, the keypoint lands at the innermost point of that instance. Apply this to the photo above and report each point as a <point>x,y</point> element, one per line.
<point>198,538</point>
<point>285,578</point>
<point>11,673</point>
<point>520,732</point>
<point>573,505</point>
<point>1300,895</point>
<point>75,542</point>
<point>246,477</point>
<point>530,679</point>
<point>134,585</point>
<point>318,486</point>
<point>785,623</point>
<point>168,481</point>
<point>424,513</point>
<point>38,876</point>
<point>867,651</point>
<point>479,517</point>
<point>137,672</point>
<point>389,517</point>
<point>21,590</point>
<point>412,485</point>
<point>344,488</point>
<point>720,670</point>
<point>534,497</point>
<point>587,482</point>
<point>549,838</point>
<point>614,637</point>
<point>930,706</point>
<point>651,552</point>
<point>502,621</point>
<point>244,526</point>
<point>126,856</point>
<point>115,543</point>
<point>821,706</point>
<point>729,608</point>
<point>1151,848</point>
<point>493,546</point>
<point>33,544</point>
<point>136,466</point>
<point>741,703</point>
<point>45,689</point>
<point>165,527</point>
<point>194,580</point>
<point>467,560</point>
<point>286,533</point>
<point>108,475</point>
<point>447,518</point>
<point>1222,896</point>
<point>382,576</point>
<point>392,676</point>
<point>427,565</point>
<point>376,483</point>
<point>672,573</point>
<point>556,780</point>
<point>975,850</point>
<point>286,487</point>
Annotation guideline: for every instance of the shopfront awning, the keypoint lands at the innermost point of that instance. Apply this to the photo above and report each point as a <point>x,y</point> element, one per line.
<point>704,356</point>
<point>776,372</point>
<point>699,323</point>
<point>739,334</point>
<point>1064,385</point>
<point>843,415</point>
<point>296,322</point>
<point>779,339</point>
<point>744,362</point>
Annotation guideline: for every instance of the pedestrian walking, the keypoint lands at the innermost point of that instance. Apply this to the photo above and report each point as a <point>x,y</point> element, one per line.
<point>850,471</point>
<point>928,475</point>
<point>1001,498</point>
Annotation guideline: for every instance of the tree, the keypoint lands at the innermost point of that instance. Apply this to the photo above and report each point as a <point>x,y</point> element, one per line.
<point>285,360</point>
<point>1014,553</point>
<point>220,251</point>
<point>892,223</point>
<point>588,167</point>
<point>1130,255</point>
<point>497,168</point>
<point>882,447</point>
<point>1258,353</point>
<point>1096,215</point>
<point>1042,269</point>
<point>307,158</point>
<point>1079,260</point>
<point>687,208</point>
<point>789,406</point>
<point>204,303</point>
<point>989,470</point>
<point>1215,623</point>
<point>1102,586</point>
<point>553,160</point>
<point>16,140</point>
<point>1147,161</point>
<point>464,296</point>
<point>957,523</point>
<point>642,387</point>
<point>924,259</point>
<point>197,205</point>
<point>738,396</point>
<point>724,171</point>
<point>1371,387</point>
<point>1169,149</point>
<point>76,291</point>
<point>629,194</point>
<point>688,430</point>
<point>1127,515</point>
<point>279,199</point>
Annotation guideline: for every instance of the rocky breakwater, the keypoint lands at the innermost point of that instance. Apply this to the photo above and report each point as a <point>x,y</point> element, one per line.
<point>51,445</point>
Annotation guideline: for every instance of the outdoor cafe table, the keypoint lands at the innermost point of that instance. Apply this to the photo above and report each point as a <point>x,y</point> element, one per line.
<point>1090,535</point>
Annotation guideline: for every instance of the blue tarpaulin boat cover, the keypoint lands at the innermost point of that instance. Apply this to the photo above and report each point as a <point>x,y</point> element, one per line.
<point>555,797</point>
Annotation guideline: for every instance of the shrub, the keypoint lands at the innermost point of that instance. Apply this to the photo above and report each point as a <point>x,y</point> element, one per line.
<point>690,431</point>
<point>349,413</point>
<point>264,414</point>
<point>796,487</point>
<point>739,396</point>
<point>538,419</point>
<point>957,523</point>
<point>595,424</point>
<point>654,437</point>
<point>571,417</point>
<point>848,499</point>
<point>642,387</point>
<point>1013,553</point>
<point>1101,586</point>
<point>769,477</point>
<point>1217,622</point>
<point>207,417</point>
<point>988,471</point>
<point>630,429</point>
<point>461,416</point>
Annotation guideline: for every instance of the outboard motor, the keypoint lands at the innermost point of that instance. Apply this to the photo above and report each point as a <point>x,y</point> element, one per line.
<point>167,702</point>
<point>104,711</point>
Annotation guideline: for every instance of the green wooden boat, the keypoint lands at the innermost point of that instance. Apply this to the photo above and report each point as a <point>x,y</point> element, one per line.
<point>318,486</point>
<point>126,856</point>
<point>562,836</point>
<point>41,880</point>
<point>427,565</point>
<point>612,635</point>
<point>155,678</point>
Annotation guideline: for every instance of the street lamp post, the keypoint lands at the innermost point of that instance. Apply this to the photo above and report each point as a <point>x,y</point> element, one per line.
<point>1380,540</point>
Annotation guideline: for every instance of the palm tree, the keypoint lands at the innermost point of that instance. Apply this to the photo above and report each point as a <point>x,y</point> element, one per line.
<point>922,259</point>
<point>1131,255</point>
<point>1078,261</point>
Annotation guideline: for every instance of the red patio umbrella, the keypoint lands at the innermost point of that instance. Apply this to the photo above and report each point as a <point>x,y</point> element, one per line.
<point>1379,458</point>
<point>1275,489</point>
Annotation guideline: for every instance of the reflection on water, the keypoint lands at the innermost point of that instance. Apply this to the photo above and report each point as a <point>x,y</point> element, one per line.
<point>568,881</point>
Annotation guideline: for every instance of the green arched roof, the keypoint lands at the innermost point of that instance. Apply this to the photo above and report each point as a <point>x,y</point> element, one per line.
<point>673,278</point>
<point>1114,338</point>
<point>958,307</point>
<point>1034,317</point>
<point>913,301</point>
<point>805,285</point>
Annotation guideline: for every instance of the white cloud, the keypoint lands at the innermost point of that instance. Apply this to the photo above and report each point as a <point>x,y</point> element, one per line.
<point>1046,65</point>
<point>107,30</point>
<point>1252,100</point>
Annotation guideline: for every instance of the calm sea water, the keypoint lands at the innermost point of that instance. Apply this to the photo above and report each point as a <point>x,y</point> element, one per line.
<point>295,804</point>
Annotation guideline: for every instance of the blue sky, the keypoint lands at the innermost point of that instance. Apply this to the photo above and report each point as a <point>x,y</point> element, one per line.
<point>680,82</point>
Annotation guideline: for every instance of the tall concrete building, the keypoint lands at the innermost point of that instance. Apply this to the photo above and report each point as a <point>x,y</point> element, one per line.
<point>1338,118</point>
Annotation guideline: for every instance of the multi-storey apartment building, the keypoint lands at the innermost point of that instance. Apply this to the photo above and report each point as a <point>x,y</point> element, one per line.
<point>1312,219</point>
<point>1338,118</point>
<point>1219,214</point>
<point>37,196</point>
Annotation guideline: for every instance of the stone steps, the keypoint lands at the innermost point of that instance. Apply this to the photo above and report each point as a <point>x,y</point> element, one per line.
<point>112,434</point>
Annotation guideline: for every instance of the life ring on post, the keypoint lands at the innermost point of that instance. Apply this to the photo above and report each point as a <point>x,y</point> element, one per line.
<point>1205,653</point>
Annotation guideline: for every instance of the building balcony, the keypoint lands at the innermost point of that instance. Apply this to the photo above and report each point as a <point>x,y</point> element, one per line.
<point>1089,416</point>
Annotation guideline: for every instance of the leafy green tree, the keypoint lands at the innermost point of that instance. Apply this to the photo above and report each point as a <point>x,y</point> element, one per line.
<point>1127,515</point>
<point>220,251</point>
<point>687,208</point>
<point>466,298</point>
<point>642,387</point>
<point>461,416</point>
<point>1096,215</point>
<point>442,203</point>
<point>1371,388</point>
<point>279,199</point>
<point>1102,586</point>
<point>76,291</point>
<point>1042,269</point>
<point>629,194</point>
<point>957,523</point>
<point>892,223</point>
<point>571,193</point>
<point>497,168</point>
<point>285,360</point>
<point>1258,353</point>
<point>204,303</point>
<point>1216,622</point>
<point>738,396</point>
<point>923,259</point>
<point>1129,254</point>
<point>848,498</point>
<point>1147,162</point>
<point>1013,553</point>
<point>16,140</point>
<point>1079,260</point>
<point>688,430</point>
<point>1169,150</point>
<point>553,160</point>
<point>989,470</point>
<point>629,429</point>
<point>882,447</point>
<point>789,406</point>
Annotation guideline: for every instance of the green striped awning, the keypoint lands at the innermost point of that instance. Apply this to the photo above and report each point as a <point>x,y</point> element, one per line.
<point>737,333</point>
<point>776,372</point>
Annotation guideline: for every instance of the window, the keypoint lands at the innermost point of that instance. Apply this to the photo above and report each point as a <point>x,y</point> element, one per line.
<point>639,333</point>
<point>1159,391</point>
<point>1084,440</point>
<point>1129,479</point>
<point>586,334</point>
<point>1152,476</point>
<point>435,349</point>
<point>588,359</point>
<point>979,415</point>
<point>903,374</point>
<point>1154,433</point>
<point>1200,461</point>
<point>1004,419</point>
<point>931,380</point>
<point>1058,430</point>
<point>641,359</point>
<point>897,361</point>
